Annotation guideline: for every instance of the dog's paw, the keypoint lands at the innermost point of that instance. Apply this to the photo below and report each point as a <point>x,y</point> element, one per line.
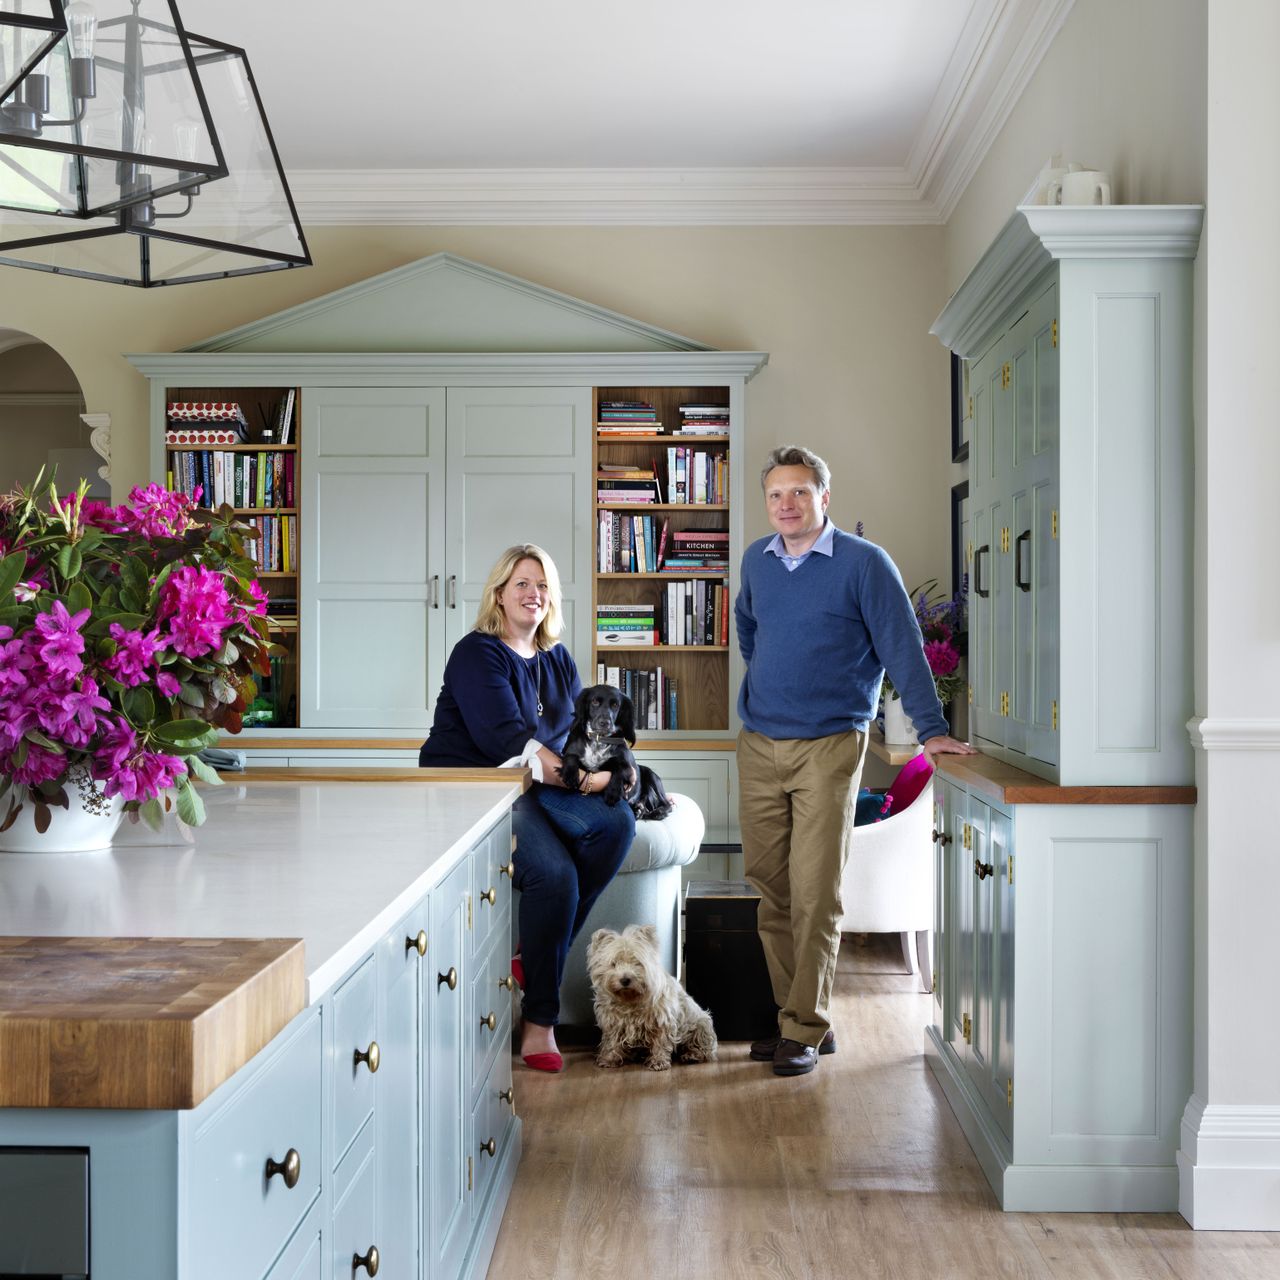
<point>659,1064</point>
<point>609,1060</point>
<point>613,792</point>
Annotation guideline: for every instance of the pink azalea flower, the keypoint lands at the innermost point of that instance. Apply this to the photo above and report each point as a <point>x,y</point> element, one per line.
<point>116,743</point>
<point>144,775</point>
<point>135,652</point>
<point>196,605</point>
<point>168,684</point>
<point>73,715</point>
<point>40,766</point>
<point>942,657</point>
<point>63,642</point>
<point>157,512</point>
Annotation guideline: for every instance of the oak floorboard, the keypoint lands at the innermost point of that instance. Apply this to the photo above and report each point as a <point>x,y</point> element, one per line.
<point>858,1171</point>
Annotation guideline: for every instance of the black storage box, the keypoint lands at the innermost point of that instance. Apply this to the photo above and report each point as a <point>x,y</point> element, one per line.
<point>724,967</point>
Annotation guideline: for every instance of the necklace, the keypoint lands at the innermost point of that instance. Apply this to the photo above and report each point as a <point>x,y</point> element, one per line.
<point>538,664</point>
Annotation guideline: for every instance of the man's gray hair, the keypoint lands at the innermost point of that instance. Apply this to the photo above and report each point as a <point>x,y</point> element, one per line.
<point>794,455</point>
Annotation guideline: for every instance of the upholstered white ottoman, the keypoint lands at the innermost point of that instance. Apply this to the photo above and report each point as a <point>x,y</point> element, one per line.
<point>645,891</point>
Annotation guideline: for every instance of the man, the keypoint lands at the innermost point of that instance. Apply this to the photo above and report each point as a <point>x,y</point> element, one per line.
<point>821,616</point>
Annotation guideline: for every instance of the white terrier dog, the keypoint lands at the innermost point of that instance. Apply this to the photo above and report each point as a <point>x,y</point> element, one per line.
<point>640,1006</point>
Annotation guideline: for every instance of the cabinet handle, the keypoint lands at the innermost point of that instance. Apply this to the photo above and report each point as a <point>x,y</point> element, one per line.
<point>1024,539</point>
<point>435,590</point>
<point>371,1057</point>
<point>449,979</point>
<point>978,555</point>
<point>509,870</point>
<point>508,1096</point>
<point>982,869</point>
<point>453,591</point>
<point>509,982</point>
<point>490,1020</point>
<point>490,896</point>
<point>289,1169</point>
<point>370,1262</point>
<point>418,944</point>
<point>490,1148</point>
<point>941,837</point>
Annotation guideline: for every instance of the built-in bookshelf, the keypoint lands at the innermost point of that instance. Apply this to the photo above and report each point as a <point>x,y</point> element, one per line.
<point>663,551</point>
<point>238,446</point>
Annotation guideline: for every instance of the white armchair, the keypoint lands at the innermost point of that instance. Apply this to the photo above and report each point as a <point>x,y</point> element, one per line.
<point>888,881</point>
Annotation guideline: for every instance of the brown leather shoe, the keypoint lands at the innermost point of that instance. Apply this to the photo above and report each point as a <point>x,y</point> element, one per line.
<point>764,1050</point>
<point>791,1058</point>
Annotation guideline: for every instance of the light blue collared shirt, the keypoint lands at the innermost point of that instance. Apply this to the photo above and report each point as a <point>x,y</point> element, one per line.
<point>823,546</point>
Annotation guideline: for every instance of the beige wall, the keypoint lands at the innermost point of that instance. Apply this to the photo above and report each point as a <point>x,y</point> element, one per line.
<point>39,411</point>
<point>1122,88</point>
<point>843,312</point>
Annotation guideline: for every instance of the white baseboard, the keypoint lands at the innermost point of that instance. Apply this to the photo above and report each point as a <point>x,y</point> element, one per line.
<point>1229,1167</point>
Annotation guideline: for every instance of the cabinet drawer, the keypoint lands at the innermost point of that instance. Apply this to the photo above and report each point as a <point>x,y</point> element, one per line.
<point>303,1259</point>
<point>354,1216</point>
<point>492,1119</point>
<point>354,1025</point>
<point>239,1216</point>
<point>489,1000</point>
<point>491,887</point>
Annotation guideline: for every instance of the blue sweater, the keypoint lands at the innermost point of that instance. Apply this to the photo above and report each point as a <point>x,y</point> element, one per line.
<point>488,705</point>
<point>818,639</point>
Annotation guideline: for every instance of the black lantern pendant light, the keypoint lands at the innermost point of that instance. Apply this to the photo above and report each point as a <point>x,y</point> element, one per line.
<point>28,30</point>
<point>138,153</point>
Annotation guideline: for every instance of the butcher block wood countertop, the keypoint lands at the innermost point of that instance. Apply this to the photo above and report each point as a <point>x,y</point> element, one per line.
<point>146,974</point>
<point>1008,784</point>
<point>138,1022</point>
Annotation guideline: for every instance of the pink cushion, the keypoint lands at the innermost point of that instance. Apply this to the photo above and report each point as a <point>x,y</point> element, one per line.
<point>912,779</point>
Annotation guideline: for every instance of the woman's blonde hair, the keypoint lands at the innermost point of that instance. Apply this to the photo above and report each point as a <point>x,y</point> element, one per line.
<point>490,618</point>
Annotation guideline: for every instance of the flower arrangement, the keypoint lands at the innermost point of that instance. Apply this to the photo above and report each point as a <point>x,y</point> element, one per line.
<point>941,620</point>
<point>128,636</point>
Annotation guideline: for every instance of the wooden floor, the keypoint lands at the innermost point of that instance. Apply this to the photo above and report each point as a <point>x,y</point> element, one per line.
<point>857,1170</point>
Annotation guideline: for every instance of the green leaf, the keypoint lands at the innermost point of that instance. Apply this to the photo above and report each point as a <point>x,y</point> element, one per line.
<point>152,813</point>
<point>11,614</point>
<point>134,601</point>
<point>190,696</point>
<point>11,568</point>
<point>185,733</point>
<point>190,806</point>
<point>69,560</point>
<point>198,769</point>
<point>78,597</point>
<point>139,705</point>
<point>34,735</point>
<point>134,574</point>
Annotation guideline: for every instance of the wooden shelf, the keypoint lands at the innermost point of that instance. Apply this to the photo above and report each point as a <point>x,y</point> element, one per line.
<point>266,446</point>
<point>608,437</point>
<point>712,575</point>
<point>265,511</point>
<point>659,648</point>
<point>662,506</point>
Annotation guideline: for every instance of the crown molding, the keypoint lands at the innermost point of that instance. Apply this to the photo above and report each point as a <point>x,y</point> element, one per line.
<point>999,49</point>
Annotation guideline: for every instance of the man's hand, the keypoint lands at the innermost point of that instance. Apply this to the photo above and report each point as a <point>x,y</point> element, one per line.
<point>940,745</point>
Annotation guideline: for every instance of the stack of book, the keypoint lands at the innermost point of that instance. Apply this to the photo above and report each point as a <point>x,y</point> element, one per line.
<point>697,551</point>
<point>621,482</point>
<point>204,422</point>
<point>630,544</point>
<point>696,613</point>
<point>624,624</point>
<point>703,420</point>
<point>240,478</point>
<point>652,693</point>
<point>697,475</point>
<point>627,418</point>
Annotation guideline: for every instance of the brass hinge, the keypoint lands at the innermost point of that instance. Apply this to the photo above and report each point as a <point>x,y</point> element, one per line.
<point>1008,1093</point>
<point>966,1029</point>
<point>1004,540</point>
<point>1011,868</point>
<point>468,913</point>
<point>468,1173</point>
<point>971,695</point>
<point>968,836</point>
<point>1006,376</point>
<point>937,994</point>
<point>1053,525</point>
<point>1004,702</point>
<point>971,406</point>
<point>1053,713</point>
<point>1053,329</point>
<point>968,553</point>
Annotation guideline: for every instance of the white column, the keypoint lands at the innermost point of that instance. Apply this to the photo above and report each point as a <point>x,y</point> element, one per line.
<point>1230,1157</point>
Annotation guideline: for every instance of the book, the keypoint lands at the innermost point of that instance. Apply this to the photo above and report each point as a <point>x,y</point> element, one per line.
<point>627,637</point>
<point>203,435</point>
<point>205,411</point>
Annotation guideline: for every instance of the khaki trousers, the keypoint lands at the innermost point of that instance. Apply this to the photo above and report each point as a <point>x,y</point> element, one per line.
<point>796,804</point>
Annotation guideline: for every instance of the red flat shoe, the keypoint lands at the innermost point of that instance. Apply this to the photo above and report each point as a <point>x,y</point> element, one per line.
<point>517,972</point>
<point>544,1061</point>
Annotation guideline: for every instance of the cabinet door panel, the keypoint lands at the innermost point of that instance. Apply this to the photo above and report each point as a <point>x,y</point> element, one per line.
<point>981,888</point>
<point>1000,1089</point>
<point>354,1029</point>
<point>961,925</point>
<point>519,470</point>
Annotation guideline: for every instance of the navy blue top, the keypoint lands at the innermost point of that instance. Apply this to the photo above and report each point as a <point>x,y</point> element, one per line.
<point>488,705</point>
<point>817,642</point>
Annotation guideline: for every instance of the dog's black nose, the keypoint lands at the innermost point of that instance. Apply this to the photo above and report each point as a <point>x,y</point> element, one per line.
<point>626,982</point>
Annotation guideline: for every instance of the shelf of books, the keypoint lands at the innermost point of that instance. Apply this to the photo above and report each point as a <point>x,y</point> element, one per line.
<point>662,603</point>
<point>238,447</point>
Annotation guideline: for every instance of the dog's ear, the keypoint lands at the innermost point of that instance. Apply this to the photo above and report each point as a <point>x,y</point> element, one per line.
<point>598,938</point>
<point>647,933</point>
<point>625,723</point>
<point>580,705</point>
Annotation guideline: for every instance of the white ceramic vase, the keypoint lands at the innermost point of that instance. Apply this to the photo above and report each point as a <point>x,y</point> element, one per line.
<point>71,830</point>
<point>898,729</point>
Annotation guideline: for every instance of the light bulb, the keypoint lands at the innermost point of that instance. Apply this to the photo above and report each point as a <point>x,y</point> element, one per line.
<point>82,28</point>
<point>186,133</point>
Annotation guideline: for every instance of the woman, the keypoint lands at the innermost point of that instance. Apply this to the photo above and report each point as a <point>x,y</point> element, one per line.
<point>508,694</point>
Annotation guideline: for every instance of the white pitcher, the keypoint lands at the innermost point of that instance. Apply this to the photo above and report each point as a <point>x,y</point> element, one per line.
<point>1084,186</point>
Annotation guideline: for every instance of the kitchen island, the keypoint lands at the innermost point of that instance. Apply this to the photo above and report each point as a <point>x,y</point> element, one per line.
<point>353,1113</point>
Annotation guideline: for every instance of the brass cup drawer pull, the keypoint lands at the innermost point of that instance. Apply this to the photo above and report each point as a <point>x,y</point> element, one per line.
<point>490,1148</point>
<point>449,979</point>
<point>508,1096</point>
<point>371,1261</point>
<point>509,982</point>
<point>490,896</point>
<point>418,944</point>
<point>371,1057</point>
<point>509,871</point>
<point>490,1020</point>
<point>982,869</point>
<point>941,837</point>
<point>289,1169</point>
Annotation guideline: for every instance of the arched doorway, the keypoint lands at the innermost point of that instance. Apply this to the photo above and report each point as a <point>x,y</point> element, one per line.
<point>41,404</point>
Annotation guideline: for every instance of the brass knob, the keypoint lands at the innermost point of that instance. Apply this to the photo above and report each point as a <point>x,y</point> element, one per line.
<point>508,1096</point>
<point>370,1262</point>
<point>449,979</point>
<point>490,1148</point>
<point>490,1020</point>
<point>289,1169</point>
<point>509,982</point>
<point>941,837</point>
<point>371,1057</point>
<point>982,869</point>
<point>418,944</point>
<point>509,870</point>
<point>490,896</point>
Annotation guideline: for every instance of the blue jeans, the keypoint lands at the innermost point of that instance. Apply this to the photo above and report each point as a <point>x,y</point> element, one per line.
<point>568,848</point>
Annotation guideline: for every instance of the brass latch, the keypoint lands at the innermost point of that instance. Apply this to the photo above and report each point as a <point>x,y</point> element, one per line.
<point>468,912</point>
<point>966,1029</point>
<point>971,406</point>
<point>1053,330</point>
<point>1011,868</point>
<point>971,695</point>
<point>935,984</point>
<point>968,553</point>
<point>1053,525</point>
<point>1008,1093</point>
<point>1053,713</point>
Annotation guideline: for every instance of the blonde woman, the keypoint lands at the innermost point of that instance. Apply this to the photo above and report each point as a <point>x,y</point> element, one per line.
<point>508,693</point>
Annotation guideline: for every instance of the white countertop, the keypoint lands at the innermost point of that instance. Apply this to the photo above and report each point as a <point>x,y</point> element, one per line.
<point>333,863</point>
